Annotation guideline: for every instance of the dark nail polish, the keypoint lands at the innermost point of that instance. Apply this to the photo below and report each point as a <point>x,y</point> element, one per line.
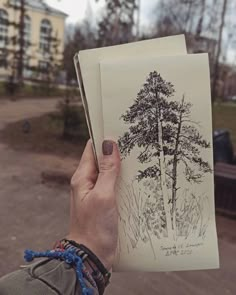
<point>107,148</point>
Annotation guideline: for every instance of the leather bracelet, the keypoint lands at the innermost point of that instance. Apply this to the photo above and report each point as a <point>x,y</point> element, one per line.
<point>106,274</point>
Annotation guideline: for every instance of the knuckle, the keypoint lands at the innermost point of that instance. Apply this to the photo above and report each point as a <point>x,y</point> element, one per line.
<point>109,166</point>
<point>75,181</point>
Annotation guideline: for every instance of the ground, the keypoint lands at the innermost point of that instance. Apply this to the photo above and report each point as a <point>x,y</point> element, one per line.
<point>34,214</point>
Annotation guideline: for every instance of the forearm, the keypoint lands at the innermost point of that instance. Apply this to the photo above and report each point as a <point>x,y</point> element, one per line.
<point>93,222</point>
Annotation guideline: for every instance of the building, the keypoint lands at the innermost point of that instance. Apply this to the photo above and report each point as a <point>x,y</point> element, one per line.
<point>43,40</point>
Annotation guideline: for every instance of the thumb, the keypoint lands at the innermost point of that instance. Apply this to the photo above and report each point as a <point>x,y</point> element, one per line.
<point>109,167</point>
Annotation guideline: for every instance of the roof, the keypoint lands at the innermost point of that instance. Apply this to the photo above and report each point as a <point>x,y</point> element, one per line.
<point>42,6</point>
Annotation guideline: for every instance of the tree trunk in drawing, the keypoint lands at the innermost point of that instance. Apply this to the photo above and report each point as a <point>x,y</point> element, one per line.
<point>175,166</point>
<point>163,176</point>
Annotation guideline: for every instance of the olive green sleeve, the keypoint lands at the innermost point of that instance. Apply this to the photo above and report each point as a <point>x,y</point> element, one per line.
<point>46,277</point>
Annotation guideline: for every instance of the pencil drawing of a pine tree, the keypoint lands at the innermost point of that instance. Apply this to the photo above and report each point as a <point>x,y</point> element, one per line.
<point>163,132</point>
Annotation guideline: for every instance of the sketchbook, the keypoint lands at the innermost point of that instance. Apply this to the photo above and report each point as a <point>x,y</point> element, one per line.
<point>88,73</point>
<point>158,108</point>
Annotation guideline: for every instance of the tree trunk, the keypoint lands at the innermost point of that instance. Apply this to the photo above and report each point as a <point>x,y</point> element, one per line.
<point>174,171</point>
<point>163,177</point>
<point>201,19</point>
<point>138,20</point>
<point>20,66</point>
<point>189,18</point>
<point>216,67</point>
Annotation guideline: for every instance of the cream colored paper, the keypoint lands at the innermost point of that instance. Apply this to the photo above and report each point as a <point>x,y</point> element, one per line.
<point>89,65</point>
<point>143,242</point>
<point>84,101</point>
<point>82,93</point>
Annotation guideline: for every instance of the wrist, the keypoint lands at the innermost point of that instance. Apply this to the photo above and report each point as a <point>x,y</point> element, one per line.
<point>93,264</point>
<point>106,256</point>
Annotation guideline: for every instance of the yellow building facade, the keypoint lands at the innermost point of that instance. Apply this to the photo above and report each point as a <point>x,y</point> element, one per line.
<point>44,29</point>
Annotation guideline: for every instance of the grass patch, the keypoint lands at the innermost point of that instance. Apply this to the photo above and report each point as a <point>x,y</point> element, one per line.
<point>39,90</point>
<point>44,135</point>
<point>46,132</point>
<point>224,117</point>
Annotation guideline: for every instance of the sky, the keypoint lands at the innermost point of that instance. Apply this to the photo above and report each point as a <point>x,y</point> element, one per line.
<point>76,9</point>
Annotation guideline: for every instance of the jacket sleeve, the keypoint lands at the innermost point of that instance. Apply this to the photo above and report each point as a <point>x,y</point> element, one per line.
<point>46,277</point>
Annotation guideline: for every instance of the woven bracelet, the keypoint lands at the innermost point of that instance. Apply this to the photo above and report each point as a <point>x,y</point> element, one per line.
<point>69,256</point>
<point>106,274</point>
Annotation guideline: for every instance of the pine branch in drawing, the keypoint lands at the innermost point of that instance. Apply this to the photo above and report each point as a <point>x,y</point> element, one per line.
<point>162,130</point>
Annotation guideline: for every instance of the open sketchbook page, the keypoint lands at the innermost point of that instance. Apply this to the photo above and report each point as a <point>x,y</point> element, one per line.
<point>159,111</point>
<point>89,65</point>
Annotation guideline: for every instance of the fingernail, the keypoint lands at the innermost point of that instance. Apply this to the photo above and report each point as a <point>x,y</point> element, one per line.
<point>107,147</point>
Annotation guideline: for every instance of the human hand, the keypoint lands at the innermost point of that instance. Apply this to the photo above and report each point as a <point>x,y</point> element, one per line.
<point>93,213</point>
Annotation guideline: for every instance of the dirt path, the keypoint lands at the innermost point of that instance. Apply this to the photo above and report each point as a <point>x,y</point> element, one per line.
<point>34,215</point>
<point>26,205</point>
<point>11,111</point>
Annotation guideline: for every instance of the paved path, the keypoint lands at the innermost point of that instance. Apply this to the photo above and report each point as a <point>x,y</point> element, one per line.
<point>34,215</point>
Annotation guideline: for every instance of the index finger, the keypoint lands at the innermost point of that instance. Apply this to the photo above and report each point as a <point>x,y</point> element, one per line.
<point>87,169</point>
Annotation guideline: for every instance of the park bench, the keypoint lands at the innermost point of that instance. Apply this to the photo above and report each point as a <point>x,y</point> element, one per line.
<point>225,173</point>
<point>225,189</point>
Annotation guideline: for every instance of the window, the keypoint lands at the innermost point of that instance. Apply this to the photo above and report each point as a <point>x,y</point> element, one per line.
<point>3,60</point>
<point>43,66</point>
<point>27,31</point>
<point>45,35</point>
<point>3,28</point>
<point>15,3</point>
<point>27,72</point>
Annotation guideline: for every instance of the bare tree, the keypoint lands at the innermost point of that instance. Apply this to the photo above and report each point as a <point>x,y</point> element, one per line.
<point>201,17</point>
<point>20,67</point>
<point>19,42</point>
<point>219,50</point>
<point>177,16</point>
<point>83,37</point>
<point>118,22</point>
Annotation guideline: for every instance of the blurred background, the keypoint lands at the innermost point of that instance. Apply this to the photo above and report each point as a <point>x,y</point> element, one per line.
<point>43,129</point>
